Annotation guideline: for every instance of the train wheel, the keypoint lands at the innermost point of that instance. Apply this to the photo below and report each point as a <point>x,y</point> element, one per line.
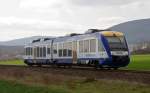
<point>70,66</point>
<point>101,67</point>
<point>116,68</point>
<point>39,65</point>
<point>96,65</point>
<point>30,64</point>
<point>108,68</point>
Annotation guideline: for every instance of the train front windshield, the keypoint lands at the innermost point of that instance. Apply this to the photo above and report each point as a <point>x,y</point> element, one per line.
<point>117,43</point>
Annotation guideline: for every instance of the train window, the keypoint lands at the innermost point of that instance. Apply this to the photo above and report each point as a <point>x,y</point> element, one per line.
<point>34,51</point>
<point>69,48</point>
<point>81,46</point>
<point>26,51</point>
<point>44,51</point>
<point>31,51</point>
<point>65,49</point>
<point>55,51</point>
<point>100,47</point>
<point>41,52</point>
<point>48,51</point>
<point>93,45</point>
<point>69,53</point>
<point>60,50</point>
<point>55,48</point>
<point>64,52</point>
<point>86,46</point>
<point>38,52</point>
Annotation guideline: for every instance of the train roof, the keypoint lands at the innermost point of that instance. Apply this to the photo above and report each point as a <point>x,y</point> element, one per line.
<point>73,36</point>
<point>88,35</point>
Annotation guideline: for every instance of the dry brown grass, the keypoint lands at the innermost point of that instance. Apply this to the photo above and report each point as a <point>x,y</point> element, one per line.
<point>34,77</point>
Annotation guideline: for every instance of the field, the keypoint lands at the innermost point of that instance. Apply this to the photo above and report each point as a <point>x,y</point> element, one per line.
<point>76,86</point>
<point>12,62</point>
<point>139,62</point>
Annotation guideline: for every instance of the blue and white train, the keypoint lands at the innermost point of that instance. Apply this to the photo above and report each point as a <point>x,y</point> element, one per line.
<point>98,48</point>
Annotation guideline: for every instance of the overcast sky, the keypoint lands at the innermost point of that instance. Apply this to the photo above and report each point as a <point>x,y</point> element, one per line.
<point>24,18</point>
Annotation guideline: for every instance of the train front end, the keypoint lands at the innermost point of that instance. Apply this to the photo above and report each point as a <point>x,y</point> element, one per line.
<point>117,49</point>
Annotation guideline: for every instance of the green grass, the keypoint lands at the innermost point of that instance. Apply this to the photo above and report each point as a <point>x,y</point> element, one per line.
<point>12,62</point>
<point>102,86</point>
<point>139,62</point>
<point>107,86</point>
<point>13,87</point>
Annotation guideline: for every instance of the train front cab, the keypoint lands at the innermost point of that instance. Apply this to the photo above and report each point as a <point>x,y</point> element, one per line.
<point>117,49</point>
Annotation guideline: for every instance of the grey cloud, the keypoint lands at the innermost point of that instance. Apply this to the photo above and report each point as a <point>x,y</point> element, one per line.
<point>101,2</point>
<point>41,28</point>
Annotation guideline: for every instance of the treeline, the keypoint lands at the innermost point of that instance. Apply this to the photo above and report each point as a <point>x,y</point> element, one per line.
<point>141,48</point>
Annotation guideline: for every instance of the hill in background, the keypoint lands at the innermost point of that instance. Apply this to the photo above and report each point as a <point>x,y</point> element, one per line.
<point>135,31</point>
<point>22,41</point>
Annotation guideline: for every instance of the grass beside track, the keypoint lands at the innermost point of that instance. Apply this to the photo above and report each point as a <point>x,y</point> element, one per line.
<point>138,62</point>
<point>13,87</point>
<point>80,86</point>
<point>12,62</point>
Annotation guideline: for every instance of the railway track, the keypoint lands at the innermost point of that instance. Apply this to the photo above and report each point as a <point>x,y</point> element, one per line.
<point>125,75</point>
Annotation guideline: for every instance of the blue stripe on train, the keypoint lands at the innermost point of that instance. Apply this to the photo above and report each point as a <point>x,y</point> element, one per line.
<point>62,61</point>
<point>38,61</point>
<point>107,48</point>
<point>102,62</point>
<point>105,43</point>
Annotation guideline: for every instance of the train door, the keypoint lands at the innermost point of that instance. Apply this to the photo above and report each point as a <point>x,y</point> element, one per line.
<point>74,50</point>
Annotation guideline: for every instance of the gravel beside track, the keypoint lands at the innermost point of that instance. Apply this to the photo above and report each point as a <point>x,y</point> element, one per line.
<point>125,75</point>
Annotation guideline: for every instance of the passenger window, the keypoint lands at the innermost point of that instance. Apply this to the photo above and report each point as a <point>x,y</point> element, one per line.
<point>69,49</point>
<point>86,46</point>
<point>55,51</point>
<point>26,51</point>
<point>55,48</point>
<point>60,50</point>
<point>44,51</point>
<point>93,45</point>
<point>65,49</point>
<point>41,53</point>
<point>34,51</point>
<point>31,51</point>
<point>64,52</point>
<point>48,51</point>
<point>81,46</point>
<point>38,52</point>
